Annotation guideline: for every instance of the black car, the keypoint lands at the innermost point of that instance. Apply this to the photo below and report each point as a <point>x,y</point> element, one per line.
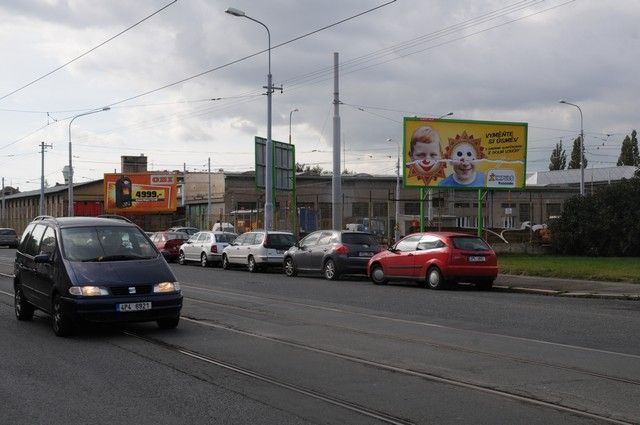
<point>332,252</point>
<point>93,270</point>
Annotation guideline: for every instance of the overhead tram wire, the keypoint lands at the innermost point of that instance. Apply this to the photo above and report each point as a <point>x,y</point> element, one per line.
<point>421,39</point>
<point>252,55</point>
<point>88,51</point>
<point>334,24</point>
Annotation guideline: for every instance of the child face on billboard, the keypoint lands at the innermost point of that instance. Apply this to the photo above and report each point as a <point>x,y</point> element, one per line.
<point>463,159</point>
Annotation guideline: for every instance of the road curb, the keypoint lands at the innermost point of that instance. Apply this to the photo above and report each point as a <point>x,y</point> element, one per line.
<point>557,293</point>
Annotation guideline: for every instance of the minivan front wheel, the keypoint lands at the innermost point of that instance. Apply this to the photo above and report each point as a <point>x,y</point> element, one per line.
<point>170,323</point>
<point>62,325</point>
<point>24,310</point>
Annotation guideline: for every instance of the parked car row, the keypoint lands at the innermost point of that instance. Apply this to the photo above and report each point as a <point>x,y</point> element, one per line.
<point>435,259</point>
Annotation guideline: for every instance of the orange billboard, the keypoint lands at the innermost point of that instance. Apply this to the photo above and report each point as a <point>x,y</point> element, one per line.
<point>140,192</point>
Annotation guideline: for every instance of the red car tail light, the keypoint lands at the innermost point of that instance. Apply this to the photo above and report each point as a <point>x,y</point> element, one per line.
<point>214,249</point>
<point>342,249</point>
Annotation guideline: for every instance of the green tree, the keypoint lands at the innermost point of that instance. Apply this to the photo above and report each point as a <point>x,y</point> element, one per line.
<point>575,156</point>
<point>626,153</point>
<point>558,160</point>
<point>606,223</point>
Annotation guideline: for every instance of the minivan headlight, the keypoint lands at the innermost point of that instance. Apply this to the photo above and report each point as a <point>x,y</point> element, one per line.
<point>166,287</point>
<point>88,291</point>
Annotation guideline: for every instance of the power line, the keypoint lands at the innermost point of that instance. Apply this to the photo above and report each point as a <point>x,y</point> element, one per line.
<point>87,52</point>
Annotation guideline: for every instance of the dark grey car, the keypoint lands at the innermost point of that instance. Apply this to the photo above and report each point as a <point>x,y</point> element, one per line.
<point>331,252</point>
<point>8,237</point>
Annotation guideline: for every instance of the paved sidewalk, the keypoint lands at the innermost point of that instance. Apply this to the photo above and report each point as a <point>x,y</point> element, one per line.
<point>567,287</point>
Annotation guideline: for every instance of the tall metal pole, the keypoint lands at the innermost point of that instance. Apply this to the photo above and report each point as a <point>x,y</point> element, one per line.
<point>43,147</point>
<point>581,147</point>
<point>336,186</point>
<point>290,113</point>
<point>70,210</point>
<point>268,177</point>
<point>396,233</point>
<point>2,223</point>
<point>209,197</point>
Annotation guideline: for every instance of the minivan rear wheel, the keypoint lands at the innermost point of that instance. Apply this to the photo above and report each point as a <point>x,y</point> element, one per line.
<point>62,324</point>
<point>24,310</point>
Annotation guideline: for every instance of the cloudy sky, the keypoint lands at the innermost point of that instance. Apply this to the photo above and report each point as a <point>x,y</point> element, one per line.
<point>181,91</point>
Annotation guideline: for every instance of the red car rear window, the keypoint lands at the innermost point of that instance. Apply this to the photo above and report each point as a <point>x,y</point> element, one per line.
<point>470,243</point>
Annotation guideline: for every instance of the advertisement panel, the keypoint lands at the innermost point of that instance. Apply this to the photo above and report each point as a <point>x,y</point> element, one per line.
<point>140,193</point>
<point>283,164</point>
<point>464,154</point>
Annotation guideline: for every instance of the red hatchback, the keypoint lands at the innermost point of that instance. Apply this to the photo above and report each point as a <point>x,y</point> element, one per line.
<point>436,258</point>
<point>168,243</point>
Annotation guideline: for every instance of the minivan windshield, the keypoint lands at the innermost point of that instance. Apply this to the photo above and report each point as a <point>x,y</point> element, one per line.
<point>105,243</point>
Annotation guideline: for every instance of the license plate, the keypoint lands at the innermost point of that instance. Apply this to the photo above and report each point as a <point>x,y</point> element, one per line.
<point>366,254</point>
<point>133,306</point>
<point>476,258</point>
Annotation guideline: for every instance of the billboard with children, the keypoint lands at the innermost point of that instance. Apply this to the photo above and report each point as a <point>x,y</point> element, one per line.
<point>464,154</point>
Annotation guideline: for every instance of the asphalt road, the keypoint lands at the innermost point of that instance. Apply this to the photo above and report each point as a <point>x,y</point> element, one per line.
<point>264,348</point>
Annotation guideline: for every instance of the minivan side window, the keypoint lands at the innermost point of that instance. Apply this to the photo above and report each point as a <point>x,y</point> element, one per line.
<point>48,244</point>
<point>33,242</point>
<point>25,237</point>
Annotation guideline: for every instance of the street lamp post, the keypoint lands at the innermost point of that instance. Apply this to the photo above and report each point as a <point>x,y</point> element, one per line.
<point>581,147</point>
<point>268,178</point>
<point>290,113</point>
<point>396,234</point>
<point>70,210</point>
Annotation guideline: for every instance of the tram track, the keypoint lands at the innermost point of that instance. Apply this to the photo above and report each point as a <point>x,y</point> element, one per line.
<point>426,342</point>
<point>346,404</point>
<point>377,365</point>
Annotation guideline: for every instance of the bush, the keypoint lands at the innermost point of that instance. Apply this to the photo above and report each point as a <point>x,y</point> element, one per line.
<point>606,223</point>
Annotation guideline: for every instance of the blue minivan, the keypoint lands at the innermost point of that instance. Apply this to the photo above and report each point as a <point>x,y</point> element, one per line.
<point>93,269</point>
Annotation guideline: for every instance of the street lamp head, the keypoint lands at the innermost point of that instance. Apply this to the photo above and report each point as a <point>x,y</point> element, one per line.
<point>389,139</point>
<point>295,110</point>
<point>562,101</point>
<point>235,12</point>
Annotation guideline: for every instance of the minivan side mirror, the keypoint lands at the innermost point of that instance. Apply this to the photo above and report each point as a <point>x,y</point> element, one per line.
<point>42,258</point>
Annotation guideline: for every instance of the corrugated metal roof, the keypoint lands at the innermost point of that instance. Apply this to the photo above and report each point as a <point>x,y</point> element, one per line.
<point>591,175</point>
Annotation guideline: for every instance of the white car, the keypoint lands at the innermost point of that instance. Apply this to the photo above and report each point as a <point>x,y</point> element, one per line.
<point>205,247</point>
<point>257,250</point>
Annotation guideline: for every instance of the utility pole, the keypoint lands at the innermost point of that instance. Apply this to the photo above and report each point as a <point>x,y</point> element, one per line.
<point>209,197</point>
<point>336,192</point>
<point>2,223</point>
<point>43,148</point>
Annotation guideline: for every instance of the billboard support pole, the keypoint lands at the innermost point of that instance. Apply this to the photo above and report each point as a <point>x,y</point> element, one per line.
<point>481,194</point>
<point>423,195</point>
